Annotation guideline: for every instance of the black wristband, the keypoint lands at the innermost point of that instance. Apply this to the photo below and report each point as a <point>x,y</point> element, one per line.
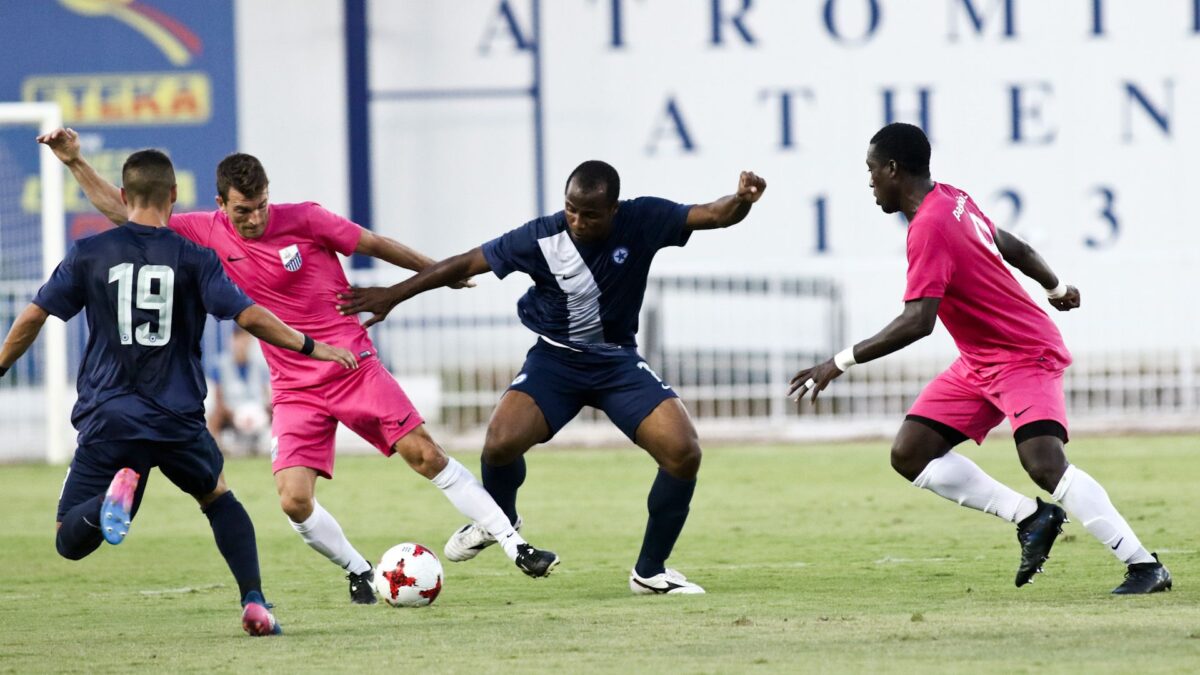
<point>308,346</point>
<point>3,370</point>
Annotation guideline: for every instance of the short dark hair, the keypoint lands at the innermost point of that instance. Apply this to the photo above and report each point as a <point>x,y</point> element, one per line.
<point>906,144</point>
<point>595,175</point>
<point>242,172</point>
<point>148,177</point>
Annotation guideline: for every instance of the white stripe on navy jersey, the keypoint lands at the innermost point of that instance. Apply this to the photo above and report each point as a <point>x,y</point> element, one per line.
<point>576,280</point>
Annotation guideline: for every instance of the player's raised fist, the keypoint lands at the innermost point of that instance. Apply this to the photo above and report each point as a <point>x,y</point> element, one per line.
<point>63,142</point>
<point>750,186</point>
<point>1067,302</point>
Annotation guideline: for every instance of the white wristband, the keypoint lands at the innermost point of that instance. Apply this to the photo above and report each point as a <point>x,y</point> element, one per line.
<point>845,359</point>
<point>1057,292</point>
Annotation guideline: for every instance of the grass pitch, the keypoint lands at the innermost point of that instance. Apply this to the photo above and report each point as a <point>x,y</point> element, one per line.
<point>816,559</point>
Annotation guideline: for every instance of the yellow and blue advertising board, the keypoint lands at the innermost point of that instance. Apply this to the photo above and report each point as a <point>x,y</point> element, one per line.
<point>127,75</point>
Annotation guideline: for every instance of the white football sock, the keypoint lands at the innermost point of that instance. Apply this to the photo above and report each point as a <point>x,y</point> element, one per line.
<point>960,480</point>
<point>1088,503</point>
<point>325,536</point>
<point>474,502</point>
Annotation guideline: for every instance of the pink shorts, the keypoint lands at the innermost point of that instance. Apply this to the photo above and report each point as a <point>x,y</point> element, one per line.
<point>975,401</point>
<point>367,400</point>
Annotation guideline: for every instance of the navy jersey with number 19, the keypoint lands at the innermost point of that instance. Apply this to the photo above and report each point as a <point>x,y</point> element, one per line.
<point>146,291</point>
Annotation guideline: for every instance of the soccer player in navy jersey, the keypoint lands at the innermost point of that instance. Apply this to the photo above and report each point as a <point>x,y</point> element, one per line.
<point>589,264</point>
<point>141,385</point>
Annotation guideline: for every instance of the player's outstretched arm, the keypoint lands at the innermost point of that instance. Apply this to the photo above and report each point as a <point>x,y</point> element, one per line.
<point>380,301</point>
<point>22,334</point>
<point>105,196</point>
<point>264,325</point>
<point>391,251</point>
<point>730,209</point>
<point>915,322</point>
<point>1018,253</point>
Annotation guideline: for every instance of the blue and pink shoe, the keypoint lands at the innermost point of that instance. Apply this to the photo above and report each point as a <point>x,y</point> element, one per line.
<point>117,510</point>
<point>257,619</point>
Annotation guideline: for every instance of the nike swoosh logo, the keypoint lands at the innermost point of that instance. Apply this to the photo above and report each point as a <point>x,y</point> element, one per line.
<point>233,259</point>
<point>570,276</point>
<point>1114,546</point>
<point>1016,415</point>
<point>670,586</point>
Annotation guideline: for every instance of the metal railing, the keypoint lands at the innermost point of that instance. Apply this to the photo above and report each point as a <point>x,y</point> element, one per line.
<point>727,344</point>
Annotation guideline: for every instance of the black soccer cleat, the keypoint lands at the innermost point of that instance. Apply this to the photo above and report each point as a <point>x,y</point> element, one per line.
<point>535,562</point>
<point>1036,534</point>
<point>362,588</point>
<point>1140,578</point>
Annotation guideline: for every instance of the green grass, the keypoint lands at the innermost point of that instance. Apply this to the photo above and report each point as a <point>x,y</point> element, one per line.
<point>816,559</point>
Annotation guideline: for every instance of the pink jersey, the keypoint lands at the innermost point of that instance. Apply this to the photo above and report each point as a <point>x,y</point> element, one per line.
<point>952,255</point>
<point>292,270</point>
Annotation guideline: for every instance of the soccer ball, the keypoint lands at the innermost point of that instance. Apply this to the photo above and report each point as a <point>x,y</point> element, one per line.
<point>408,575</point>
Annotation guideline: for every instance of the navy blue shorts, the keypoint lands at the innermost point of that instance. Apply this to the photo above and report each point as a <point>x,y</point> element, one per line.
<point>562,381</point>
<point>193,466</point>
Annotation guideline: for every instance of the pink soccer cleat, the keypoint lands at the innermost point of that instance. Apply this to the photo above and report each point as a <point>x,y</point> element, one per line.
<point>117,510</point>
<point>257,619</point>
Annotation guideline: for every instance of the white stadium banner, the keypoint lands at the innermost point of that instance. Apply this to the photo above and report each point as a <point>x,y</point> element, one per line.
<point>1071,123</point>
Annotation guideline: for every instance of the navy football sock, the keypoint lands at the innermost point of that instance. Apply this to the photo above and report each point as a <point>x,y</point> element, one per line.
<point>502,483</point>
<point>80,534</point>
<point>234,533</point>
<point>668,503</point>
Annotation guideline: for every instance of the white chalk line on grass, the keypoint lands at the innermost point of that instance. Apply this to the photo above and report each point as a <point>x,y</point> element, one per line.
<point>889,560</point>
<point>686,568</point>
<point>182,590</point>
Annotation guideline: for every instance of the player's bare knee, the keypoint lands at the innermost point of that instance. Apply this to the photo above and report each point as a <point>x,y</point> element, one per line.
<point>683,461</point>
<point>500,455</point>
<point>1045,471</point>
<point>298,507</point>
<point>501,447</point>
<point>496,439</point>
<point>1042,454</point>
<point>426,458</point>
<point>906,462</point>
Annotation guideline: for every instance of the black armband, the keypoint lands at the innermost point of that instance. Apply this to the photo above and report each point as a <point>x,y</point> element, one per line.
<point>3,370</point>
<point>308,346</point>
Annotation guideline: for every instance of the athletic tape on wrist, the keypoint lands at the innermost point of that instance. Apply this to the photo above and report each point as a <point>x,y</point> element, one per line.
<point>845,359</point>
<point>1057,292</point>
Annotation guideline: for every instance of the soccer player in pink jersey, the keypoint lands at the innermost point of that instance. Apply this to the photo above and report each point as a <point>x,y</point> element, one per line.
<point>285,258</point>
<point>1011,364</point>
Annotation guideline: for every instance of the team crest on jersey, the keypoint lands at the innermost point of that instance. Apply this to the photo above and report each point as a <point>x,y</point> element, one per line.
<point>620,254</point>
<point>290,255</point>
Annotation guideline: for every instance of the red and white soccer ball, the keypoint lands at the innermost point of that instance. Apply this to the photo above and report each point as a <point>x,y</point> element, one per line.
<point>408,575</point>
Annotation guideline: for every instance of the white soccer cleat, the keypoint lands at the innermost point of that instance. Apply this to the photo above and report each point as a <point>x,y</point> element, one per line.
<point>469,540</point>
<point>669,582</point>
